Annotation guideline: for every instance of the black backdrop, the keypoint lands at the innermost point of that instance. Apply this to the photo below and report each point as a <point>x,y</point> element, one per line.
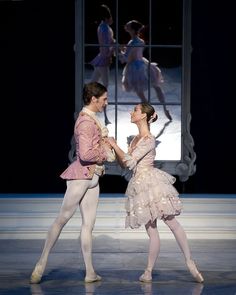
<point>37,98</point>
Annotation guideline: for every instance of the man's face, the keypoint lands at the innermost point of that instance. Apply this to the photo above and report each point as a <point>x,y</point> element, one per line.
<point>101,102</point>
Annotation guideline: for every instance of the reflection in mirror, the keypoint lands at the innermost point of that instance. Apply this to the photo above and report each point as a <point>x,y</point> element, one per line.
<point>160,52</point>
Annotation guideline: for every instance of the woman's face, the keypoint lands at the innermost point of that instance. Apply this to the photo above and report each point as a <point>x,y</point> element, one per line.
<point>136,115</point>
<point>110,20</point>
<point>127,27</point>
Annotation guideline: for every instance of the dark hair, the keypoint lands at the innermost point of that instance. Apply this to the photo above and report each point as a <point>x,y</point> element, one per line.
<point>135,25</point>
<point>104,12</point>
<point>92,89</point>
<point>150,111</point>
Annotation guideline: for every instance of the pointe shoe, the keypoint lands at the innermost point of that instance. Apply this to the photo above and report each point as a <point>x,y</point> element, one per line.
<point>36,275</point>
<point>167,113</point>
<point>194,271</point>
<point>146,277</point>
<point>92,280</point>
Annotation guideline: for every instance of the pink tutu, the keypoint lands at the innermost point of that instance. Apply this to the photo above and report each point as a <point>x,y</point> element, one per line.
<point>151,195</point>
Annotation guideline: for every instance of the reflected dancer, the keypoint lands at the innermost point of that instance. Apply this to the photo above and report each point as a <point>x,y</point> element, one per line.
<point>135,74</point>
<point>103,60</point>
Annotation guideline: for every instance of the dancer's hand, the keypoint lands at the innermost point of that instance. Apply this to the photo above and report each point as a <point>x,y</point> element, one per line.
<point>122,58</point>
<point>112,141</point>
<point>122,48</point>
<point>111,157</point>
<point>105,131</point>
<point>107,143</point>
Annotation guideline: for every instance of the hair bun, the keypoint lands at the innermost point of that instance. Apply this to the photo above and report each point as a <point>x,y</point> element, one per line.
<point>153,118</point>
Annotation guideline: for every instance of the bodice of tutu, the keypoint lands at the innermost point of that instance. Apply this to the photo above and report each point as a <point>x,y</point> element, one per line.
<point>142,155</point>
<point>147,162</point>
<point>105,37</point>
<point>134,50</point>
<point>105,34</point>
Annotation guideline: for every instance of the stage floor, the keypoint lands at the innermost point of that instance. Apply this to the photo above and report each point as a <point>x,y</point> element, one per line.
<point>120,263</point>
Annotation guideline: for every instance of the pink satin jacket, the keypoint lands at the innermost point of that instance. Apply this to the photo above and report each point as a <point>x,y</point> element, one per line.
<point>89,149</point>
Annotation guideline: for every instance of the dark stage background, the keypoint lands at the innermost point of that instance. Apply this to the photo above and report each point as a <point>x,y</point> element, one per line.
<point>37,98</point>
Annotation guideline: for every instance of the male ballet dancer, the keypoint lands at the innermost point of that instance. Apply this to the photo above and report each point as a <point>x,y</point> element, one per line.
<point>82,178</point>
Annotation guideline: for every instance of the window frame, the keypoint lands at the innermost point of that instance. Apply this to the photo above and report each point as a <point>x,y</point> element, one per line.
<point>182,168</point>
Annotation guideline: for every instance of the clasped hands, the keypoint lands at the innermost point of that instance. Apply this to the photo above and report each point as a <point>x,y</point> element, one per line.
<point>108,143</point>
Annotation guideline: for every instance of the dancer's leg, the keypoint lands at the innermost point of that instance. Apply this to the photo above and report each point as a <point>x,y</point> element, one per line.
<point>161,97</point>
<point>106,120</point>
<point>74,193</point>
<point>142,96</point>
<point>180,236</point>
<point>182,241</point>
<point>96,75</point>
<point>105,72</point>
<point>88,208</point>
<point>154,250</point>
<point>154,244</point>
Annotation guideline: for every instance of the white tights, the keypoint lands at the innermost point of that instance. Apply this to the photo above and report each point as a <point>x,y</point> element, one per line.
<point>154,240</point>
<point>82,193</point>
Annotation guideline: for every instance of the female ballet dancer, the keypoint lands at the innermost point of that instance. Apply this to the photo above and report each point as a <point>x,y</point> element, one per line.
<point>135,73</point>
<point>150,192</point>
<point>103,60</point>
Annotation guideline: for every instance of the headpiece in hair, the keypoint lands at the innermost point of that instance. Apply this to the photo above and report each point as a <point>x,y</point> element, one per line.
<point>152,118</point>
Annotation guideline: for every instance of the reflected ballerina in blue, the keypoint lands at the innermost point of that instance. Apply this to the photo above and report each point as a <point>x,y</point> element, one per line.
<point>136,71</point>
<point>103,59</point>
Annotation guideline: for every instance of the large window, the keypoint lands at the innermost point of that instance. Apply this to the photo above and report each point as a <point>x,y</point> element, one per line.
<point>167,36</point>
